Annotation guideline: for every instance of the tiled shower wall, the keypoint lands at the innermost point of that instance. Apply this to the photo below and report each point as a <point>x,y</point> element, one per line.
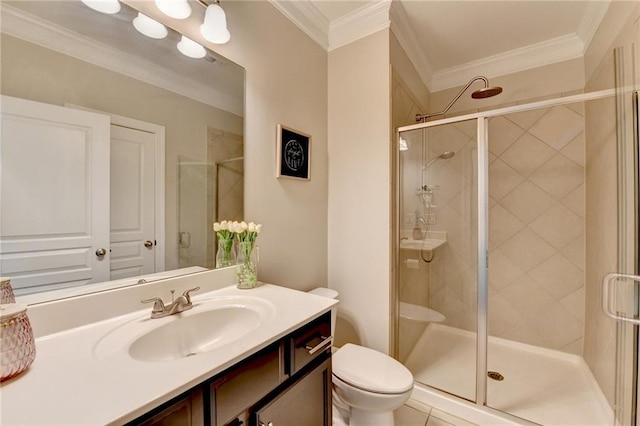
<point>536,227</point>
<point>601,203</point>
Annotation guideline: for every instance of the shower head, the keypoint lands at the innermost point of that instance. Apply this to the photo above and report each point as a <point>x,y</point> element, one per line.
<point>485,92</point>
<point>444,156</point>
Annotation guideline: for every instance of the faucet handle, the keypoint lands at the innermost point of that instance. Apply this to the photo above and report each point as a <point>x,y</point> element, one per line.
<point>158,304</point>
<point>187,295</point>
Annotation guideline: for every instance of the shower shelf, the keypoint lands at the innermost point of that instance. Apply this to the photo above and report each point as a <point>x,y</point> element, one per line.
<point>419,313</point>
<point>426,244</point>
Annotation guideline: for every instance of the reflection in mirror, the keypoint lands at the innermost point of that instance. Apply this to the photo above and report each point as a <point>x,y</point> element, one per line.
<point>110,140</point>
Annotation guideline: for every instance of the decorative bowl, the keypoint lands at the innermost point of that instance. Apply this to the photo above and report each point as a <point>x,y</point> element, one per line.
<point>17,345</point>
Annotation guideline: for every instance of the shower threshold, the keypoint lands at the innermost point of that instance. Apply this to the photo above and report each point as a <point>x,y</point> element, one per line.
<point>540,385</point>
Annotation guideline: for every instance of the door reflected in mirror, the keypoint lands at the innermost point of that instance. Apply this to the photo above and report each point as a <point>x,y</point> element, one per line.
<point>118,152</point>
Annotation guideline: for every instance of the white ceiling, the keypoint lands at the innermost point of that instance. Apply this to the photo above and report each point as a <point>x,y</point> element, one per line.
<point>450,41</point>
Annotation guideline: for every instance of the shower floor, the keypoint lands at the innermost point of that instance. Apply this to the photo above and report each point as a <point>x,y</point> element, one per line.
<point>540,385</point>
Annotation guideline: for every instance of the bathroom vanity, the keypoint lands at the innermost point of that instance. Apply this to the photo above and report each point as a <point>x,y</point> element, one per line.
<point>250,357</point>
<point>288,382</point>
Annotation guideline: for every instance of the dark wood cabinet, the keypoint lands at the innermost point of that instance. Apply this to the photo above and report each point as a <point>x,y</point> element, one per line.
<point>286,383</point>
<point>186,410</point>
<point>306,401</point>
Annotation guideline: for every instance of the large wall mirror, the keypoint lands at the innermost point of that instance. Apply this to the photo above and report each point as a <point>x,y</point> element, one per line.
<point>117,152</point>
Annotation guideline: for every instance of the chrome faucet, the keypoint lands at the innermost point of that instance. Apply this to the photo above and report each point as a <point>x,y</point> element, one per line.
<point>181,304</point>
<point>419,232</point>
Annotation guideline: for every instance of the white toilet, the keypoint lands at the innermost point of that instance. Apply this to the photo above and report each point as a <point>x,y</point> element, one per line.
<point>367,385</point>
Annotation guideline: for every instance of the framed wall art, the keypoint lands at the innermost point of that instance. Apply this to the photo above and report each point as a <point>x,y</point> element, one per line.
<point>293,154</point>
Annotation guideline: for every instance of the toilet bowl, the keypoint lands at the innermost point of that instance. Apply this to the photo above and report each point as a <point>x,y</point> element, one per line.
<point>367,385</point>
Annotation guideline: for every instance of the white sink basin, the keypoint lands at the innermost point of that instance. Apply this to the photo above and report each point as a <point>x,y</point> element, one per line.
<point>210,325</point>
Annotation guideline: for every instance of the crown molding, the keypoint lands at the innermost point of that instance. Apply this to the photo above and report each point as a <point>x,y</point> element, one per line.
<point>306,17</point>
<point>595,12</point>
<point>339,32</point>
<point>535,55</point>
<point>359,24</point>
<point>38,31</point>
<point>402,29</point>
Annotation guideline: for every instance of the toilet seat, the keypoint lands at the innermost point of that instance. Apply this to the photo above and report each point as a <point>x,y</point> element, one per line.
<point>370,370</point>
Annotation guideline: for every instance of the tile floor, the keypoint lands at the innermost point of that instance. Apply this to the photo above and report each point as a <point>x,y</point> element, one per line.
<point>417,414</point>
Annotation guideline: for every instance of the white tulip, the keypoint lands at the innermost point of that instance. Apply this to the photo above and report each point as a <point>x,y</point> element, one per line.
<point>243,226</point>
<point>258,229</point>
<point>252,227</point>
<point>224,225</point>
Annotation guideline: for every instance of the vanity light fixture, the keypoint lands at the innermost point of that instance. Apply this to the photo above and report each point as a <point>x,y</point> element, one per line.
<point>104,6</point>
<point>190,48</point>
<point>149,27</point>
<point>178,9</point>
<point>214,28</point>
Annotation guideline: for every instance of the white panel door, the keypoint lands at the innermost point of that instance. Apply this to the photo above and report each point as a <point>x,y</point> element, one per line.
<point>54,195</point>
<point>132,202</point>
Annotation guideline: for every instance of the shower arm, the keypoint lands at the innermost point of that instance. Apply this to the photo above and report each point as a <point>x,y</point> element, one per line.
<point>422,118</point>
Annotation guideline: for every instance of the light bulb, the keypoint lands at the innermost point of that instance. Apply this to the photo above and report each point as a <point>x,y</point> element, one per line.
<point>149,27</point>
<point>214,28</point>
<point>104,6</point>
<point>190,48</point>
<point>178,9</point>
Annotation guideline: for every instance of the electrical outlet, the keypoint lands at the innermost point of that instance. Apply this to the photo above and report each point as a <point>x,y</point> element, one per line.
<point>432,219</point>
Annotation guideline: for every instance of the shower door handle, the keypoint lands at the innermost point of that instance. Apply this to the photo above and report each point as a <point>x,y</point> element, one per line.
<point>609,296</point>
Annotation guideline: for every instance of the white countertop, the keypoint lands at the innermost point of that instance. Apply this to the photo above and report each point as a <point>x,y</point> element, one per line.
<point>69,385</point>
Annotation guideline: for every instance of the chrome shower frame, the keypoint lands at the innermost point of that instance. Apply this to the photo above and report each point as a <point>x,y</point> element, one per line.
<point>432,395</point>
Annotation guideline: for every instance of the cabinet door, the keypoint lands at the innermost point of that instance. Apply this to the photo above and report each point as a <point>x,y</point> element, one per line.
<point>187,411</point>
<point>306,402</point>
<point>245,384</point>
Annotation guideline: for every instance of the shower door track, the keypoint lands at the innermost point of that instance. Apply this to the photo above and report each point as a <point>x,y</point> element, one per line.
<point>483,213</point>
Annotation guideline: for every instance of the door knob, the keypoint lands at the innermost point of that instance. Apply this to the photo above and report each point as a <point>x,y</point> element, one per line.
<point>148,244</point>
<point>101,252</point>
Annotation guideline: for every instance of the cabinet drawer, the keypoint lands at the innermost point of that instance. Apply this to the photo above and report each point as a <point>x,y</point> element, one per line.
<point>246,384</point>
<point>309,342</point>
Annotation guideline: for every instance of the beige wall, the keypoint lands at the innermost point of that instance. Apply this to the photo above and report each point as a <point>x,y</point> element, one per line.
<point>46,76</point>
<point>601,200</point>
<point>359,184</point>
<point>286,82</point>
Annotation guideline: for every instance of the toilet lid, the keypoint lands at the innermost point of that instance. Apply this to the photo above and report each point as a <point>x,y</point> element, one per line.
<point>370,370</point>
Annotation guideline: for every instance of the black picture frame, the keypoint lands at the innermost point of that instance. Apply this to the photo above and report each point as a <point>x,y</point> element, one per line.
<point>293,156</point>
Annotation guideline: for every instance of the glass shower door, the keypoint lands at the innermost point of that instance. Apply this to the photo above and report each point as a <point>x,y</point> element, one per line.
<point>438,261</point>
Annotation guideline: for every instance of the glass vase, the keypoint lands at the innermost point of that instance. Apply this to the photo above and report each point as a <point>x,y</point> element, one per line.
<point>247,272</point>
<point>226,255</point>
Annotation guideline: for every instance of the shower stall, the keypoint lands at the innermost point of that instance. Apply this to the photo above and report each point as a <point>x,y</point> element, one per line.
<point>506,222</point>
